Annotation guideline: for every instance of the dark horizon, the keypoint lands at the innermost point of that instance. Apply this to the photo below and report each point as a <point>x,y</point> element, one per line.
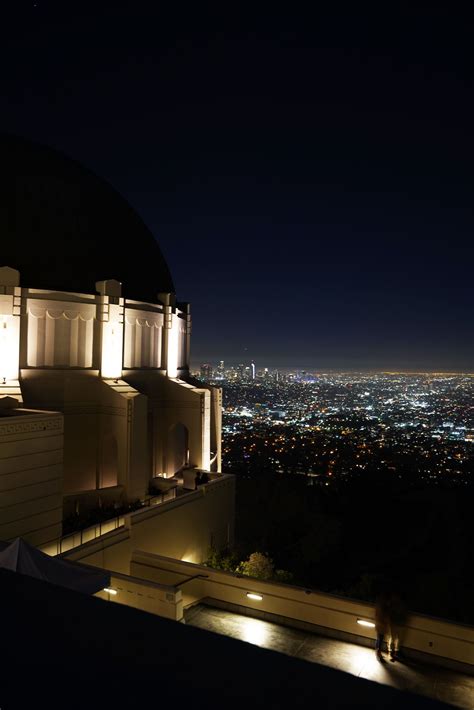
<point>308,177</point>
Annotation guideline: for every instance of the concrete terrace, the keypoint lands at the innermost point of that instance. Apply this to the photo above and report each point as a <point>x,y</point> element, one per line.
<point>412,676</point>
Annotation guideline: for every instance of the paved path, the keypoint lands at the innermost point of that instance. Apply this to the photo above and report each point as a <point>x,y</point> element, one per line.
<point>434,682</point>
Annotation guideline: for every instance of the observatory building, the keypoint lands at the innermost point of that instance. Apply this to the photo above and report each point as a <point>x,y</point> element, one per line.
<point>95,395</point>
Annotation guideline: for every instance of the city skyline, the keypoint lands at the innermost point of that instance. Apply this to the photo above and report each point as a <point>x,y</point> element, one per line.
<point>233,363</point>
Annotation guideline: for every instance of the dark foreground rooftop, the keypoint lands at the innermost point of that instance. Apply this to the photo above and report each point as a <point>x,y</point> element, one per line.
<point>62,648</point>
<point>408,675</point>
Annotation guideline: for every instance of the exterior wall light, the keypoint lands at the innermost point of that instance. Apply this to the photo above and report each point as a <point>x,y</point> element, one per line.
<point>109,590</point>
<point>257,597</point>
<point>364,622</point>
<point>173,347</point>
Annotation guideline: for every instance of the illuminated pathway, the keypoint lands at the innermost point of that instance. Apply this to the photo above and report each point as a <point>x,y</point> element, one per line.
<point>437,683</point>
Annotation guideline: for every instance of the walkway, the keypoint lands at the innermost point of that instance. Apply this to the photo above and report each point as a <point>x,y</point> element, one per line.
<point>433,682</point>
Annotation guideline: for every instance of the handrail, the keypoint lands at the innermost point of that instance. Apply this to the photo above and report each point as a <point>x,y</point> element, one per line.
<point>189,579</point>
<point>92,532</point>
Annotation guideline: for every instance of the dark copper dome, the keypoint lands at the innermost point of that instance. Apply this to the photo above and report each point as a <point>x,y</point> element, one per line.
<point>64,228</point>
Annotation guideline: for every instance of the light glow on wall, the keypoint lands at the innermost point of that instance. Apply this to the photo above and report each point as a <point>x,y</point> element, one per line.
<point>112,345</point>
<point>173,348</point>
<point>9,348</point>
<point>206,432</point>
<point>192,557</point>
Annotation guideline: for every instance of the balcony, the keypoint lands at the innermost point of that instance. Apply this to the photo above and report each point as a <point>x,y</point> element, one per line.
<point>171,489</point>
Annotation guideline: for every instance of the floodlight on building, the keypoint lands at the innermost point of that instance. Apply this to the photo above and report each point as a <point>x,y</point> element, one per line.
<point>364,622</point>
<point>173,347</point>
<point>112,345</point>
<point>257,597</point>
<point>111,591</point>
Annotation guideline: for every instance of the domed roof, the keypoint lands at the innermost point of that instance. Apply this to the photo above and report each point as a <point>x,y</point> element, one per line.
<point>64,228</point>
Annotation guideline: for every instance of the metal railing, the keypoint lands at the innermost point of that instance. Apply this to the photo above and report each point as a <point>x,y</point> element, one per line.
<point>80,537</point>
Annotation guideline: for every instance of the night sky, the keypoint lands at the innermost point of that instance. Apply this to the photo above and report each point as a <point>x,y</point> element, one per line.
<point>309,178</point>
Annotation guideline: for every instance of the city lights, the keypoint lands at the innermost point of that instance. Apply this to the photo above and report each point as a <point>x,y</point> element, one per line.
<point>330,427</point>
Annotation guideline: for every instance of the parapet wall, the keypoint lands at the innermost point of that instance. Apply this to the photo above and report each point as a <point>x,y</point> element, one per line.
<point>158,599</point>
<point>439,641</point>
<point>184,527</point>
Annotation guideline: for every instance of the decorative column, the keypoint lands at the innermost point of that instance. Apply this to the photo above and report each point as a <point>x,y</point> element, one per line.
<point>205,430</point>
<point>187,309</point>
<point>111,316</point>
<point>170,333</point>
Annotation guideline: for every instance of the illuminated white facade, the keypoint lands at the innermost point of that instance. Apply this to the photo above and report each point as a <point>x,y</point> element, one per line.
<point>90,329</point>
<point>97,406</point>
<point>118,371</point>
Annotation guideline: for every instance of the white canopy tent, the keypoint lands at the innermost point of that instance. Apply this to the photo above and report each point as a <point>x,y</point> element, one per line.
<point>19,556</point>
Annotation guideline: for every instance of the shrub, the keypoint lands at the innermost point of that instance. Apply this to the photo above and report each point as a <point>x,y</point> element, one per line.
<point>225,560</point>
<point>258,565</point>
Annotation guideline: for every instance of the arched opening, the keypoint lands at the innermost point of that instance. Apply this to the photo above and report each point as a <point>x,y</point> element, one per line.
<point>108,462</point>
<point>177,449</point>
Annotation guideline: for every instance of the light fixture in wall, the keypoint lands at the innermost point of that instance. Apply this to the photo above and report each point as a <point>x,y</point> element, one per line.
<point>110,590</point>
<point>365,622</point>
<point>256,597</point>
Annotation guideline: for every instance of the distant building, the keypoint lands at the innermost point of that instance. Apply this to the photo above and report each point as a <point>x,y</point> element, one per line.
<point>206,372</point>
